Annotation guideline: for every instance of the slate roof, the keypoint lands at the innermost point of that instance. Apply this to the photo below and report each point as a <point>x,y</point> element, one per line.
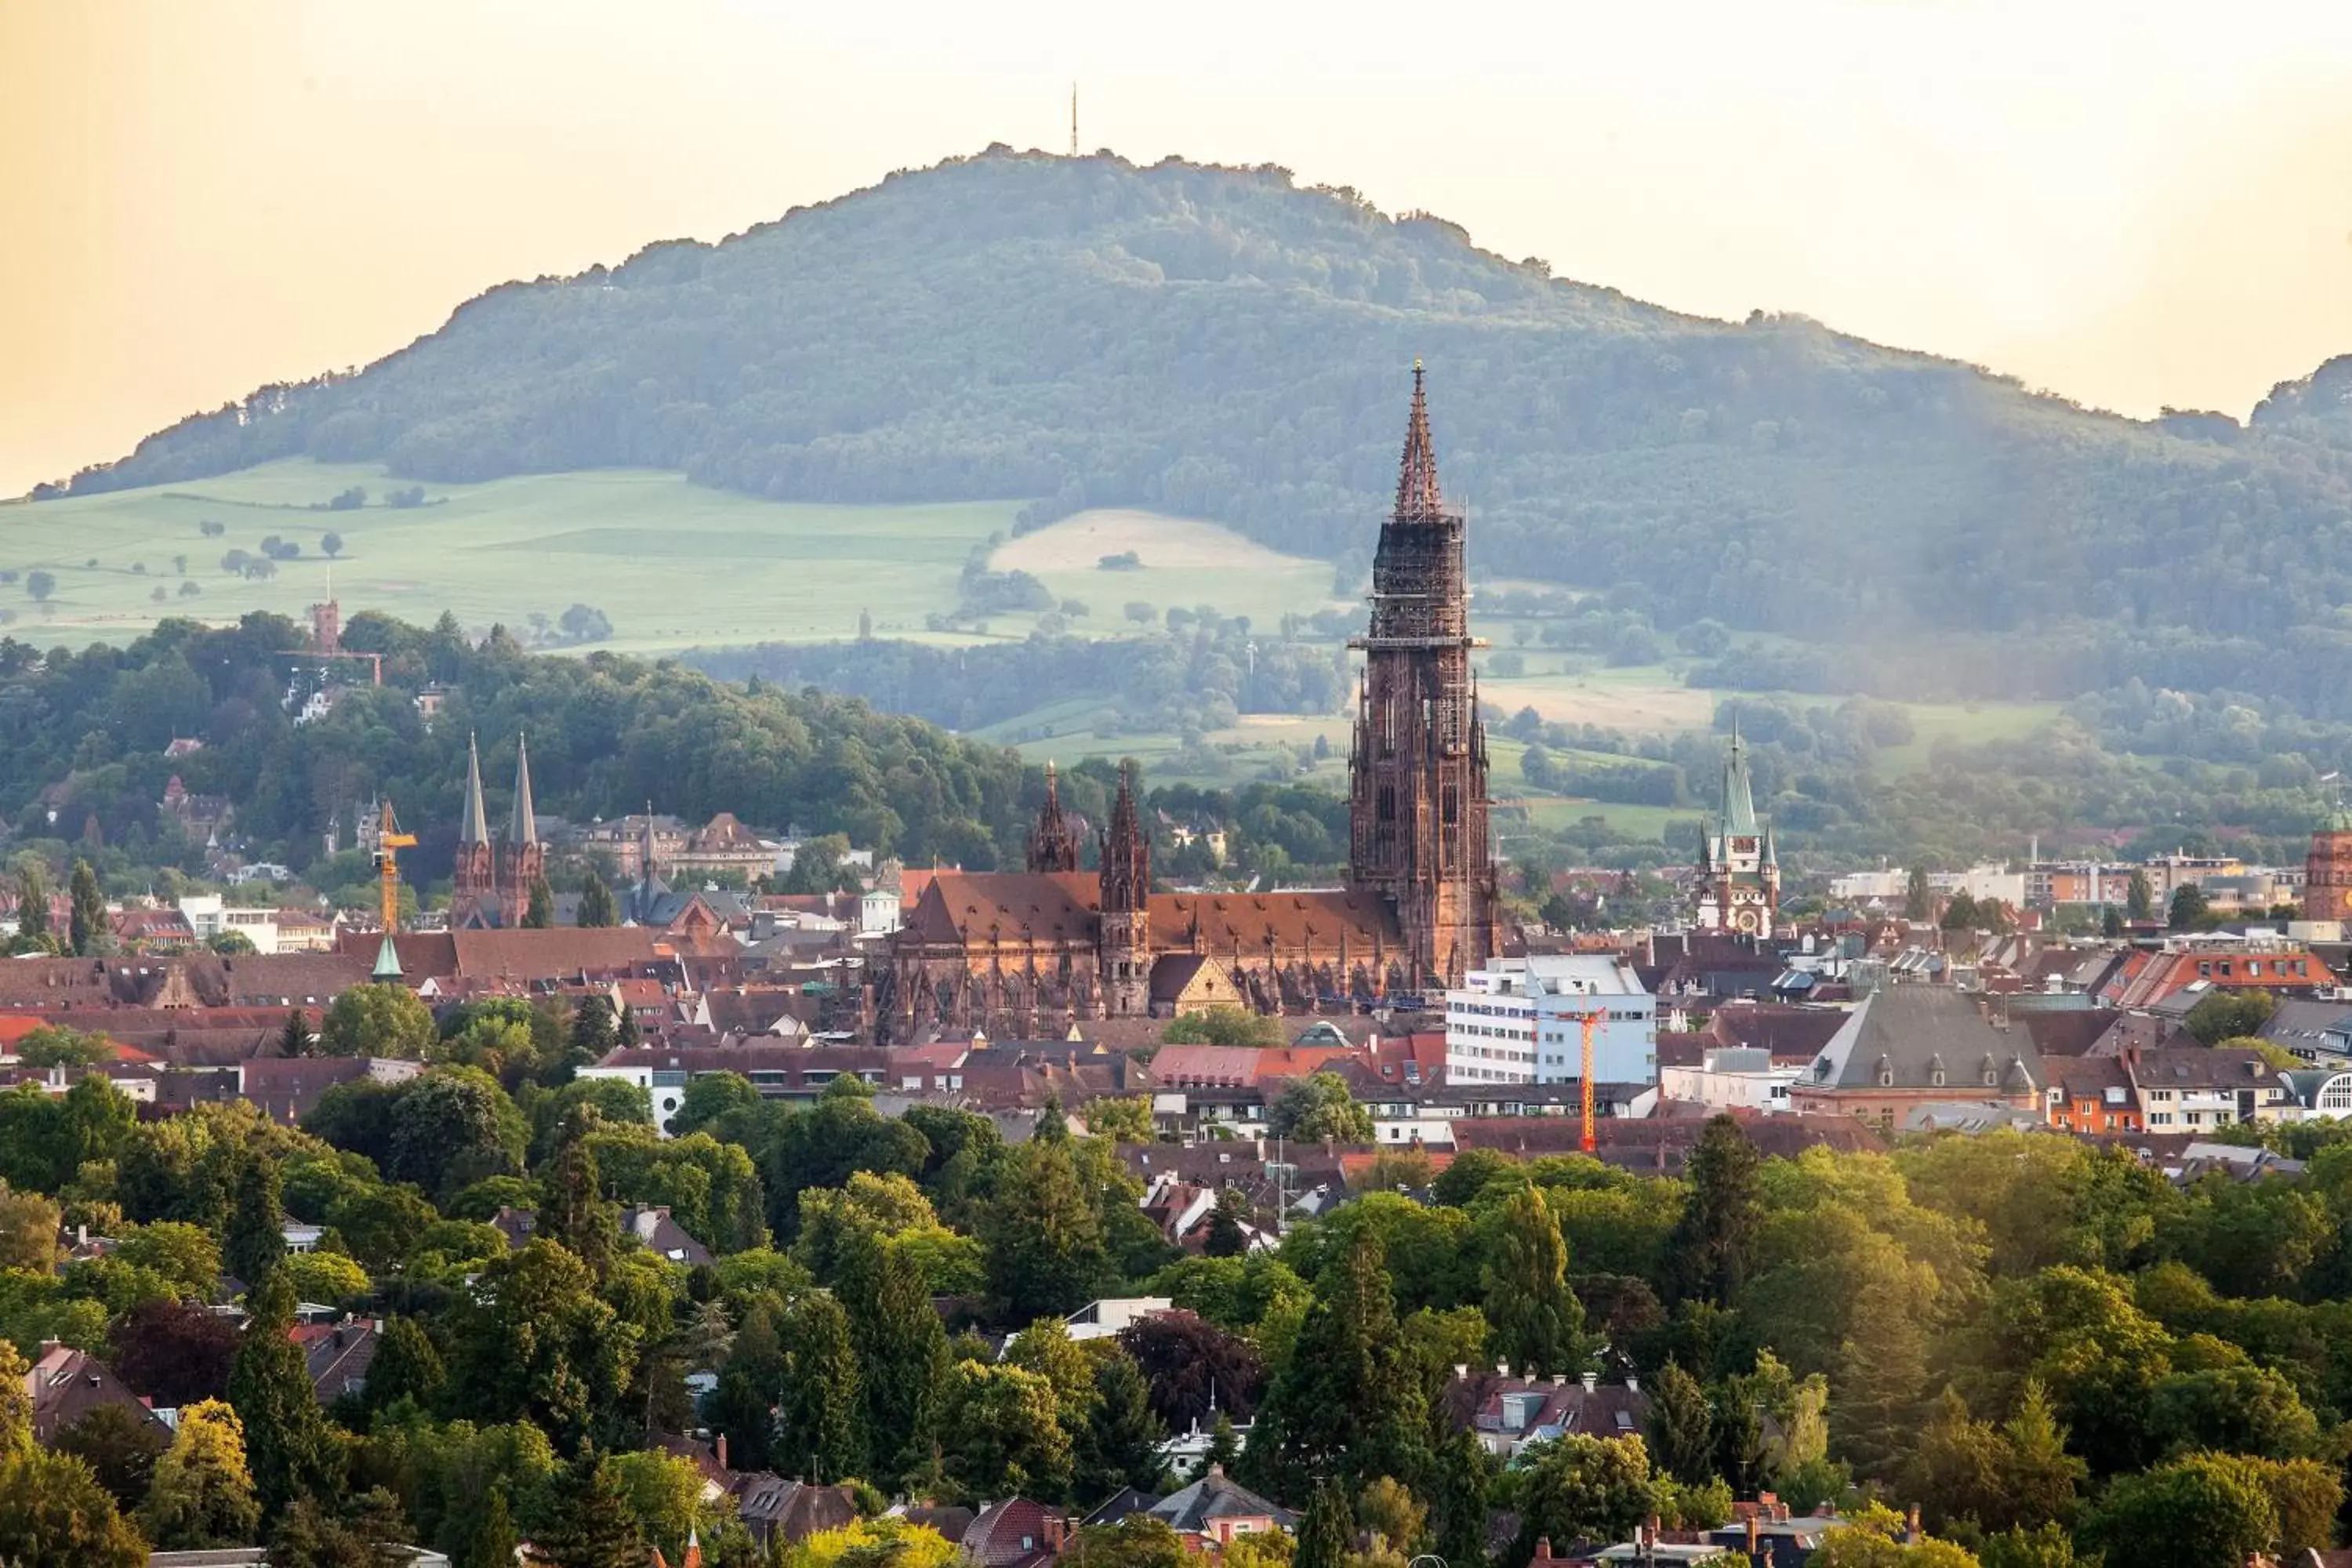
<point>338,1356</point>
<point>1925,1037</point>
<point>1791,1033</point>
<point>2062,1032</point>
<point>663,1235</point>
<point>1497,1405</point>
<point>1192,1510</point>
<point>769,1505</point>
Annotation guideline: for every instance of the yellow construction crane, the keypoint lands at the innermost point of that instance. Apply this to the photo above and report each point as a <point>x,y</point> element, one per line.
<point>389,841</point>
<point>1591,1021</point>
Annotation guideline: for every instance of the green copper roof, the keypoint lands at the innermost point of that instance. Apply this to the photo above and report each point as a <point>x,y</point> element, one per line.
<point>1739,801</point>
<point>387,961</point>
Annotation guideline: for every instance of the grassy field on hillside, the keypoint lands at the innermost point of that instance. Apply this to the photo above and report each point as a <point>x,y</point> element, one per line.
<point>674,565</point>
<point>1182,562</point>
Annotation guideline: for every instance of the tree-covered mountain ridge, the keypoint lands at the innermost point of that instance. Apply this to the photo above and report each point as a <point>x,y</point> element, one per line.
<point>1220,342</point>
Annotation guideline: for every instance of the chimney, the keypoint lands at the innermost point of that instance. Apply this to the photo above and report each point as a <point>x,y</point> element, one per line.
<point>1651,1529</point>
<point>1502,1368</point>
<point>1592,1379</point>
<point>81,1236</point>
<point>1461,1371</point>
<point>1754,1533</point>
<point>722,1450</point>
<point>1543,1548</point>
<point>1054,1526</point>
<point>1911,1526</point>
<point>1633,1384</point>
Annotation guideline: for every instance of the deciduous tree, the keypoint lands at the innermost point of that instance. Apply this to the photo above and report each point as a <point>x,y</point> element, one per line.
<point>1537,1321</point>
<point>202,1493</point>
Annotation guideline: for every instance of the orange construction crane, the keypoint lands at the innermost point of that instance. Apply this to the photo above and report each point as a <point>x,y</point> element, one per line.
<point>389,841</point>
<point>1591,1021</point>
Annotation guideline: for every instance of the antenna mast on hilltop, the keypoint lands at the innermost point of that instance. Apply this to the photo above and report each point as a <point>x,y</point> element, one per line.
<point>1074,120</point>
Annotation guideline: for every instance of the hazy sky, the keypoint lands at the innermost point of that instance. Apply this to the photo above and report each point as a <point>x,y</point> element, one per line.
<point>2135,203</point>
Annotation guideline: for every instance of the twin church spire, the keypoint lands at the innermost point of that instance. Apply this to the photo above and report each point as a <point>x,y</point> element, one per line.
<point>494,880</point>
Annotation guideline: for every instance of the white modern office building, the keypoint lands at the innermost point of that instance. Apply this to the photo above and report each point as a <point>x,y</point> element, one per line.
<point>1519,1020</point>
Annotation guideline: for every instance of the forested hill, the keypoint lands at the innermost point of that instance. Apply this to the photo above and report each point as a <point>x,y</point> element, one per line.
<point>82,740</point>
<point>1222,344</point>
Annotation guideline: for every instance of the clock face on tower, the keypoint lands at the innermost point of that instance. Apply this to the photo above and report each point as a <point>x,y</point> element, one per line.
<point>1746,919</point>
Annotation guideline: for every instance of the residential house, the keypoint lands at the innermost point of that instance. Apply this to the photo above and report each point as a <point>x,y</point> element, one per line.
<point>1207,1516</point>
<point>1508,1413</point>
<point>338,1356</point>
<point>1015,1533</point>
<point>777,1071</point>
<point>2091,1094</point>
<point>2257,960</point>
<point>67,1385</point>
<point>1114,1315</point>
<point>773,1509</point>
<point>2190,1088</point>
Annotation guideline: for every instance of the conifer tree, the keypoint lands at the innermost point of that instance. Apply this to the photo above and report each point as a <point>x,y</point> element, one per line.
<point>292,1451</point>
<point>1120,1446</point>
<point>406,1365</point>
<point>1682,1427</point>
<point>1708,1248</point>
<point>1463,1484</point>
<point>1537,1321</point>
<point>589,1523</point>
<point>596,907</point>
<point>575,1212</point>
<point>295,1040</point>
<point>821,1427</point>
<point>255,1247</point>
<point>1350,1402</point>
<point>32,907</point>
<point>593,1030</point>
<point>539,913</point>
<point>1226,1237</point>
<point>88,929</point>
<point>750,1381</point>
<point>1326,1536</point>
<point>903,1363</point>
<point>1044,1240</point>
<point>495,1542</point>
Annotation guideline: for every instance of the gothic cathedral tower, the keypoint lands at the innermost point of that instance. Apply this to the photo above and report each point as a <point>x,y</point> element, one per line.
<point>1125,896</point>
<point>1417,813</point>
